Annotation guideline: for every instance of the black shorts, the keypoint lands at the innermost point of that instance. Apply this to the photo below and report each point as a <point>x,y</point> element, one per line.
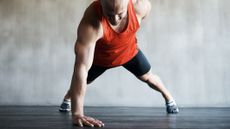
<point>138,65</point>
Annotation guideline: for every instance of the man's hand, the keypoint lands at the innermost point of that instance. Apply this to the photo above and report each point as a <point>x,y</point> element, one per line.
<point>86,121</point>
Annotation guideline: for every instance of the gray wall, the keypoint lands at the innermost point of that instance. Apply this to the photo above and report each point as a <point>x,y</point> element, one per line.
<point>186,41</point>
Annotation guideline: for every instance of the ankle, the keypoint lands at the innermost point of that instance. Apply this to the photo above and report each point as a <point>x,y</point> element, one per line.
<point>67,100</point>
<point>170,103</point>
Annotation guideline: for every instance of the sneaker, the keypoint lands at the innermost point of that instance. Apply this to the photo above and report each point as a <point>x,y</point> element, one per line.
<point>172,108</point>
<point>65,106</point>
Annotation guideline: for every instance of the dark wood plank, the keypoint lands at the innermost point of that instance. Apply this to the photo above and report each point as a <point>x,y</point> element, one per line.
<point>20,117</point>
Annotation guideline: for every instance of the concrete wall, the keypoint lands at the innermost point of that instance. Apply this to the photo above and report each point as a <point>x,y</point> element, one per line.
<point>186,41</point>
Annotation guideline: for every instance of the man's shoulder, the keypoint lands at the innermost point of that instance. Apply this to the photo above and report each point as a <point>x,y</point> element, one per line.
<point>142,7</point>
<point>90,25</point>
<point>91,16</point>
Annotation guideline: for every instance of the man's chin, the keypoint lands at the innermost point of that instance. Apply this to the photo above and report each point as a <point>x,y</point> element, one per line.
<point>114,23</point>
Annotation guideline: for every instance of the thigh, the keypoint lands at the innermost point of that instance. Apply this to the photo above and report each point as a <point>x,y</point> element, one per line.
<point>138,65</point>
<point>94,72</point>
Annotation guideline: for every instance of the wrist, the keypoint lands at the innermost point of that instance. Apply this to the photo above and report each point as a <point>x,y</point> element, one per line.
<point>77,115</point>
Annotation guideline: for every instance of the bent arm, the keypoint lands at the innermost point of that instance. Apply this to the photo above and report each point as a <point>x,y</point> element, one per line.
<point>142,8</point>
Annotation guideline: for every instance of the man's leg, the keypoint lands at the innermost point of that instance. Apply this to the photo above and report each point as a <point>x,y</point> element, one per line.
<point>141,68</point>
<point>93,73</point>
<point>155,83</point>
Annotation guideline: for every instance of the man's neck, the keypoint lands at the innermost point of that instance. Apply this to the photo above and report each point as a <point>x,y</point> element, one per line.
<point>121,26</point>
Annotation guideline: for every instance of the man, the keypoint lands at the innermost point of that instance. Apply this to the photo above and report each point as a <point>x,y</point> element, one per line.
<point>106,39</point>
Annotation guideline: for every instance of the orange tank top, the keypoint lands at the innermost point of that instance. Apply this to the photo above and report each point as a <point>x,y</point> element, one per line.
<point>115,49</point>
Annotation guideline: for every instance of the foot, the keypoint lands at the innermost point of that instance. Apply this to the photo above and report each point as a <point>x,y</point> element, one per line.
<point>65,106</point>
<point>171,107</point>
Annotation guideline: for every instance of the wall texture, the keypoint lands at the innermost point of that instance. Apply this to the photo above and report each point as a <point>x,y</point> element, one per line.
<point>186,41</point>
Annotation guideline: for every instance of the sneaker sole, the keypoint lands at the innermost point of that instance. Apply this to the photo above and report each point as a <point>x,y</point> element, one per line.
<point>64,110</point>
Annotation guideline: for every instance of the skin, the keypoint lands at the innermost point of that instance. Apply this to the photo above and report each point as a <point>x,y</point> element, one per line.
<point>89,31</point>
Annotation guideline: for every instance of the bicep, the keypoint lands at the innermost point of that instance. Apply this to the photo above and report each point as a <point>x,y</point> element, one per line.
<point>89,31</point>
<point>84,54</point>
<point>85,44</point>
<point>143,8</point>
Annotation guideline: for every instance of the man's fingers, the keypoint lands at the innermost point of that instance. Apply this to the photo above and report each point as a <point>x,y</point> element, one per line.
<point>87,123</point>
<point>78,122</point>
<point>89,118</point>
<point>102,124</point>
<point>95,121</point>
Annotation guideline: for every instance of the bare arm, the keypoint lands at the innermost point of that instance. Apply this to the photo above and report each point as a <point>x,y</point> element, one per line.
<point>84,52</point>
<point>142,8</point>
<point>88,33</point>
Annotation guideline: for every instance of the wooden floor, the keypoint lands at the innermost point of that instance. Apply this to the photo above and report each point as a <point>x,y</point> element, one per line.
<point>115,118</point>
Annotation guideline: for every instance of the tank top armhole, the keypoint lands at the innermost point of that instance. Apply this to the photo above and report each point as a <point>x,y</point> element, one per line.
<point>134,13</point>
<point>97,7</point>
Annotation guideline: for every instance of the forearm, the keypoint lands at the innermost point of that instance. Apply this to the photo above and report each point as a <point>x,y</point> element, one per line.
<point>78,90</point>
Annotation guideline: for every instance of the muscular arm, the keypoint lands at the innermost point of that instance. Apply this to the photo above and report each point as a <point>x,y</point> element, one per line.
<point>88,33</point>
<point>142,8</point>
<point>84,50</point>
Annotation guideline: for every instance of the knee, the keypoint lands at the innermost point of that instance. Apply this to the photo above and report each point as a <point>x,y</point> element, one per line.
<point>155,77</point>
<point>149,77</point>
<point>146,77</point>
